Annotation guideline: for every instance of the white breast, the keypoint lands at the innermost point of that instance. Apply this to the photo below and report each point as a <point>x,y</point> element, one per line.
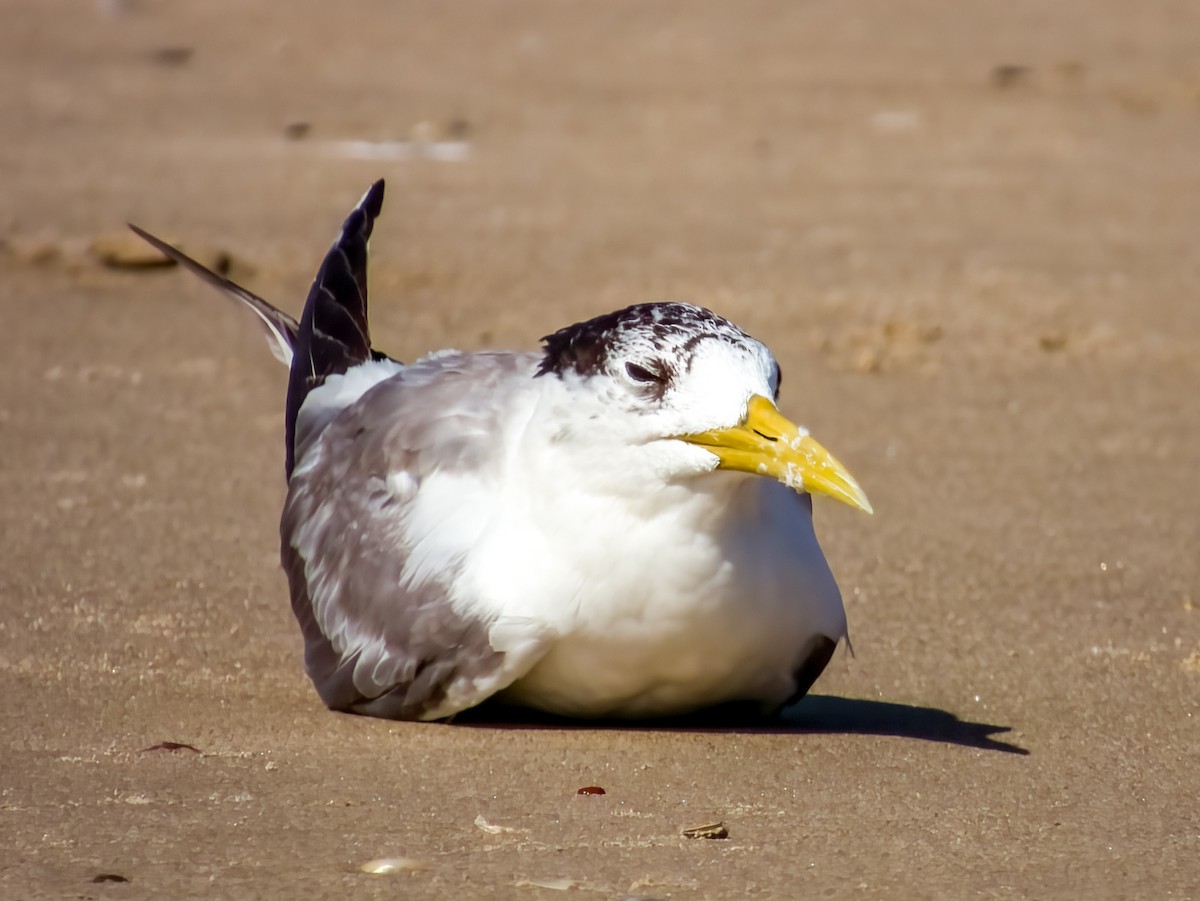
<point>707,593</point>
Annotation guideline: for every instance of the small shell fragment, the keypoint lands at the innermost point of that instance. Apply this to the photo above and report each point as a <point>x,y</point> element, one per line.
<point>109,877</point>
<point>381,866</point>
<point>492,828</point>
<point>708,830</point>
<point>172,746</point>
<point>557,885</point>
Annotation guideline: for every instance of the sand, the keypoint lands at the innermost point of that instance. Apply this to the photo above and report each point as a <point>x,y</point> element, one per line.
<point>970,233</point>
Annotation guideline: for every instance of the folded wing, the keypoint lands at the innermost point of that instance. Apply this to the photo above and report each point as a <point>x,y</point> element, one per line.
<point>383,508</point>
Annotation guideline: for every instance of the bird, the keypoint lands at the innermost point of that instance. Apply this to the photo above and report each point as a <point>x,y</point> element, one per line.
<point>617,525</point>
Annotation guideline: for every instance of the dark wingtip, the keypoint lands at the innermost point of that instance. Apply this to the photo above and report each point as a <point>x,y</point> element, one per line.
<point>157,243</point>
<point>280,328</point>
<point>334,335</point>
<point>372,201</point>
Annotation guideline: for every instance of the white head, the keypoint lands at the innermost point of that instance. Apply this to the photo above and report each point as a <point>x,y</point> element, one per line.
<point>697,394</point>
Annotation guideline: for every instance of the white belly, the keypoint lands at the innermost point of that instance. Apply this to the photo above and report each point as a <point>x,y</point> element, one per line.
<point>714,599</point>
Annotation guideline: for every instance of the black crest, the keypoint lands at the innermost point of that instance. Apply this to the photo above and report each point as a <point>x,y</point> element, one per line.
<point>668,330</point>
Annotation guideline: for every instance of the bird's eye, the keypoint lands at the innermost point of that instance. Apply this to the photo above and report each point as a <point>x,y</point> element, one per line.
<point>642,374</point>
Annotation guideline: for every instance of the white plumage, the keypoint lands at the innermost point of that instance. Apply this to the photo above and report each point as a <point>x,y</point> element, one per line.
<point>599,529</point>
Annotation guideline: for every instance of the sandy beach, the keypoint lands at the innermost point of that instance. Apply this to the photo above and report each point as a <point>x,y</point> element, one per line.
<point>969,232</point>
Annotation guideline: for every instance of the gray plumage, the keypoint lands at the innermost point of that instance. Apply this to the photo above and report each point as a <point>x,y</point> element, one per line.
<point>545,526</point>
<point>380,637</point>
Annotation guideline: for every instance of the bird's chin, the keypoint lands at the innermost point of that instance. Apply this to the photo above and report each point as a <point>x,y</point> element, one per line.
<point>682,461</point>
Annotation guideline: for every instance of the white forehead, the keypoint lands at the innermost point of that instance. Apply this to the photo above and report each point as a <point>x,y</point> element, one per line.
<point>726,373</point>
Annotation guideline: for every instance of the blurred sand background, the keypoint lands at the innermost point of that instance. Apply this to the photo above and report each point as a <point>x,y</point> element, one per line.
<point>970,233</point>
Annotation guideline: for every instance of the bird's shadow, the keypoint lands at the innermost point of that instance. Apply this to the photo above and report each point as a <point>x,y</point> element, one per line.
<point>815,714</point>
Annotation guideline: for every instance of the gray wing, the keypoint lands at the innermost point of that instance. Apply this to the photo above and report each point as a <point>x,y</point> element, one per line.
<point>383,507</point>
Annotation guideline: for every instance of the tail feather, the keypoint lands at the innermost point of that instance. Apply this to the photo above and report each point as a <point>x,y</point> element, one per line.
<point>333,335</point>
<point>281,328</point>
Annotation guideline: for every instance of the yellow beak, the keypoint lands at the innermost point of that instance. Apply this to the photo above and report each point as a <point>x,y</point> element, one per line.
<point>767,443</point>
